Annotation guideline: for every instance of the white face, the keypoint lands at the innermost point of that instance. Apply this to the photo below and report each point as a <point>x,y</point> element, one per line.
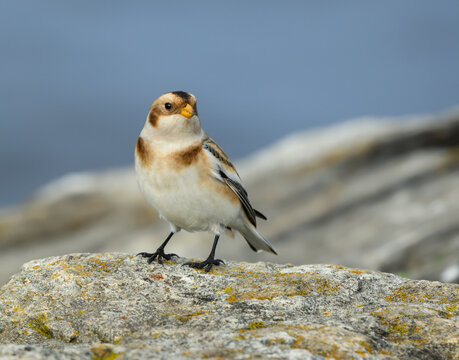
<point>177,125</point>
<point>174,115</point>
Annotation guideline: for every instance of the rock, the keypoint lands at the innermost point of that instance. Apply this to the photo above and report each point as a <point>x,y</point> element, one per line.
<point>370,193</point>
<point>105,306</point>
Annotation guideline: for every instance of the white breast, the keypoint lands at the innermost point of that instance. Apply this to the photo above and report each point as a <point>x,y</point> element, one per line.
<point>180,196</point>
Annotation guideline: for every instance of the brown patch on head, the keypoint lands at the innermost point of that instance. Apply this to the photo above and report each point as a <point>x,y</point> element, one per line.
<point>187,98</point>
<point>170,103</point>
<point>187,156</point>
<point>143,151</point>
<point>153,117</point>
<point>182,94</point>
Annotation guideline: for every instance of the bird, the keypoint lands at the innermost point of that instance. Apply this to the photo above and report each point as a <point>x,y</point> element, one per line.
<point>188,179</point>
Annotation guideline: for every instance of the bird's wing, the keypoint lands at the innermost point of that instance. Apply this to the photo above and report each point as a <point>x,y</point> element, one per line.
<point>215,150</point>
<point>225,172</point>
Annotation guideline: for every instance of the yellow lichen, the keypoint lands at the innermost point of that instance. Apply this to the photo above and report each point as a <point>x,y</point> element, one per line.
<point>238,337</point>
<point>39,325</point>
<point>101,352</point>
<point>404,294</point>
<point>297,344</point>
<point>226,290</point>
<point>401,328</point>
<point>354,271</point>
<point>188,317</point>
<point>257,325</point>
<point>263,286</point>
<point>398,328</point>
<point>367,347</point>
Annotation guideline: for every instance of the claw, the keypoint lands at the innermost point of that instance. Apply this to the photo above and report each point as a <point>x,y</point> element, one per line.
<point>144,254</point>
<point>206,264</point>
<point>157,254</point>
<point>153,257</point>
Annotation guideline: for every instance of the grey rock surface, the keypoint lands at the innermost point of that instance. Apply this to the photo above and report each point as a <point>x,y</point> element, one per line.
<point>107,306</point>
<point>371,193</point>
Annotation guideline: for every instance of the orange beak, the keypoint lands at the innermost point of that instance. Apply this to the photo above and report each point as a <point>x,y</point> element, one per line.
<point>187,111</point>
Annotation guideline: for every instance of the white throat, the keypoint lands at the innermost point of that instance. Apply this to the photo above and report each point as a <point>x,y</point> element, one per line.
<point>170,142</point>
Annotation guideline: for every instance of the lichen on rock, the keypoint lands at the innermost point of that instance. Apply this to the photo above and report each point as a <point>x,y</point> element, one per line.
<point>107,306</point>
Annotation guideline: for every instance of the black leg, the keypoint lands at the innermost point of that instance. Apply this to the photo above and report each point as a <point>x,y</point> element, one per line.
<point>210,261</point>
<point>159,253</point>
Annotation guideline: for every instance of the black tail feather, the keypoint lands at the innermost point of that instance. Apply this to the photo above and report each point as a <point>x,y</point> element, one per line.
<point>260,215</point>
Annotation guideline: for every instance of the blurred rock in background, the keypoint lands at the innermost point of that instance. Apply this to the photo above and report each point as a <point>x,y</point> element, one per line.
<point>370,193</point>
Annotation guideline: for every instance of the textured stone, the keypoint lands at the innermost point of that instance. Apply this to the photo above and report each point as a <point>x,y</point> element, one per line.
<point>105,306</point>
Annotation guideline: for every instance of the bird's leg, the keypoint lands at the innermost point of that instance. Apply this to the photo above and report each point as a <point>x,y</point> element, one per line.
<point>159,253</point>
<point>210,261</point>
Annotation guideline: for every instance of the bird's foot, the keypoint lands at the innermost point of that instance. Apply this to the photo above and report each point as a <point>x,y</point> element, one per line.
<point>206,264</point>
<point>157,254</point>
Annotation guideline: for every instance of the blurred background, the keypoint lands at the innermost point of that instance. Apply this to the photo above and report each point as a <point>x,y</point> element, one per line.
<point>77,79</point>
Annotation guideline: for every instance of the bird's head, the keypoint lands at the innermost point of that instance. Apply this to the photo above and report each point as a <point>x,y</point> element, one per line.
<point>174,114</point>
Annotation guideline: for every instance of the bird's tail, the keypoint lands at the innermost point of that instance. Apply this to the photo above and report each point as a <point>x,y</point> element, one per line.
<point>255,240</point>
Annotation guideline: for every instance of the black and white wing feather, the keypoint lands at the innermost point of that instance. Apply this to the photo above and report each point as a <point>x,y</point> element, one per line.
<point>225,172</point>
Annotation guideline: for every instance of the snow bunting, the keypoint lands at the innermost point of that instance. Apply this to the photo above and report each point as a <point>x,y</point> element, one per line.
<point>188,179</point>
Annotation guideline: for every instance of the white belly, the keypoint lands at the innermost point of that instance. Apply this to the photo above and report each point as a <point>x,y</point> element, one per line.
<point>180,197</point>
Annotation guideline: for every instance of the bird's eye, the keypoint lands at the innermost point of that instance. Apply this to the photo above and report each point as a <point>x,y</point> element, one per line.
<point>168,106</point>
